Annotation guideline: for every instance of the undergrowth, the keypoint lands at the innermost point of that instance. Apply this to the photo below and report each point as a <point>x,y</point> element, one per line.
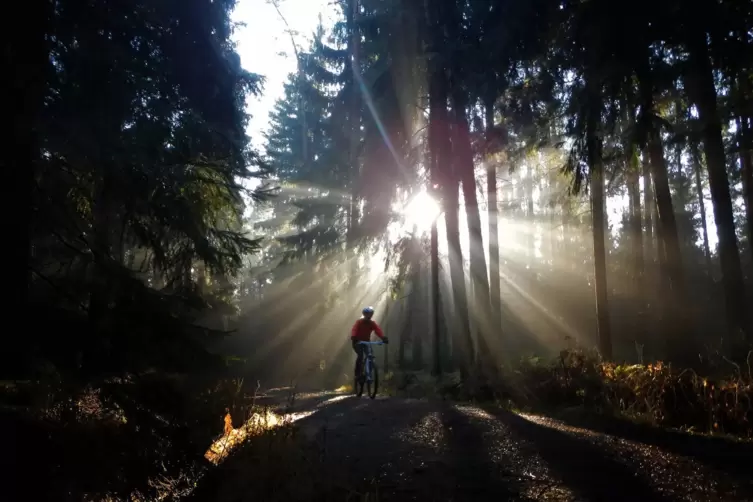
<point>163,438</point>
<point>132,438</point>
<point>656,393</point>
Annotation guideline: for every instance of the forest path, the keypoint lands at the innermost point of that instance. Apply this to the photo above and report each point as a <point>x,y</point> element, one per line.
<point>406,449</point>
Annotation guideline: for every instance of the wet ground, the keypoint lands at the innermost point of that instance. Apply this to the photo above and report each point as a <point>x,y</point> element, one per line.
<point>405,449</point>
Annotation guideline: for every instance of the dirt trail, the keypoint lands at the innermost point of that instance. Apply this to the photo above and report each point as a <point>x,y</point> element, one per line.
<point>439,451</point>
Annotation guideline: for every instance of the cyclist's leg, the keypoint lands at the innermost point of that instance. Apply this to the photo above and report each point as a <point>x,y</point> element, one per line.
<point>358,349</point>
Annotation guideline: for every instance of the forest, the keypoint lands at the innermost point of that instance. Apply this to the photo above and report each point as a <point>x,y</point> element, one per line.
<point>548,203</point>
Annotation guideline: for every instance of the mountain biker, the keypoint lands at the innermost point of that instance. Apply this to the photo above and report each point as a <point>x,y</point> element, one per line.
<point>361,332</point>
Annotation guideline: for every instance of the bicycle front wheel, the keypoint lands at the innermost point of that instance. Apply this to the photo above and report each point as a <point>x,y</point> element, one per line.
<point>373,383</point>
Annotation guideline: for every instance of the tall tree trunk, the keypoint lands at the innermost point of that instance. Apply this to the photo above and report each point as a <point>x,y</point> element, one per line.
<point>671,273</point>
<point>26,61</point>
<point>354,121</point>
<point>463,162</point>
<point>554,229</point>
<point>596,168</point>
<point>448,183</point>
<point>101,247</point>
<point>636,238</point>
<point>650,265</point>
<point>703,93</point>
<point>648,210</point>
<point>493,210</point>
<point>670,256</point>
<point>463,156</point>
<point>696,160</point>
<point>435,301</point>
<point>418,330</point>
<point>463,341</point>
<point>438,137</point>
<point>530,223</point>
<point>418,309</point>
<point>746,175</point>
<point>407,327</point>
<point>664,303</point>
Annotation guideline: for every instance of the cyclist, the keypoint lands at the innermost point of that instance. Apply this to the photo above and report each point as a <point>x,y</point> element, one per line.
<point>361,332</point>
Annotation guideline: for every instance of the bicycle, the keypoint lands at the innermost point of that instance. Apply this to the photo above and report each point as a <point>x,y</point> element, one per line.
<point>369,372</point>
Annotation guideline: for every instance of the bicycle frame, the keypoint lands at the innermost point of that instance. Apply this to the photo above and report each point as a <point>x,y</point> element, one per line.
<point>368,359</point>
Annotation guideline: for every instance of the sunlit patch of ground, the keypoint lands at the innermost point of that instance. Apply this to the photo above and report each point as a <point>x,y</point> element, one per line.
<point>474,412</point>
<point>332,400</point>
<point>258,423</point>
<point>556,424</point>
<point>427,432</point>
<point>263,421</point>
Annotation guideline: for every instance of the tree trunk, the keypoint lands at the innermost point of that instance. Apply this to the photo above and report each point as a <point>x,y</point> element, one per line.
<point>26,61</point>
<point>636,238</point>
<point>435,300</point>
<point>530,224</point>
<point>746,175</point>
<point>417,303</point>
<point>101,247</point>
<point>596,168</point>
<point>648,210</point>
<point>463,156</point>
<point>463,162</point>
<point>440,179</point>
<point>696,160</point>
<point>650,264</point>
<point>703,93</point>
<point>463,341</point>
<point>673,291</point>
<point>407,327</point>
<point>493,210</point>
<point>354,121</point>
<point>673,294</point>
<point>417,345</point>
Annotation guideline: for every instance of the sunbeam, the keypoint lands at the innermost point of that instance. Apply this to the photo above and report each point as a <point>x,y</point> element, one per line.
<point>420,212</point>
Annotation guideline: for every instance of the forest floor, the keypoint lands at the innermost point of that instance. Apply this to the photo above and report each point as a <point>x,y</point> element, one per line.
<point>349,448</point>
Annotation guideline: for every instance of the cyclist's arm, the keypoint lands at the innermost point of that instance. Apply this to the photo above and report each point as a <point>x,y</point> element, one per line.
<point>378,331</point>
<point>354,329</point>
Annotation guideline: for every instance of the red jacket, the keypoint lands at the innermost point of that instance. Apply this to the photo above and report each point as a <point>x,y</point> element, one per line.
<point>362,329</point>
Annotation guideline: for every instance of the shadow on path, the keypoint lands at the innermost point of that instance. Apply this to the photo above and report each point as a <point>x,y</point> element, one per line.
<point>584,468</point>
<point>473,472</point>
<point>720,453</point>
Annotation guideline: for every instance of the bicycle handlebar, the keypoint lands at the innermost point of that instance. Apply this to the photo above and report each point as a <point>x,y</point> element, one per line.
<point>371,343</point>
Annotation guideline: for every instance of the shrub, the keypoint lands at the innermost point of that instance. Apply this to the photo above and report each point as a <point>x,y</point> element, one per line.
<point>655,392</point>
<point>132,438</point>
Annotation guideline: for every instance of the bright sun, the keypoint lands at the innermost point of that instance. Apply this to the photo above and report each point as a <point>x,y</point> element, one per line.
<point>420,212</point>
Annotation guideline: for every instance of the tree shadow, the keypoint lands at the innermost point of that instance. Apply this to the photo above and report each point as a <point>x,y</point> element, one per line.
<point>474,473</point>
<point>379,447</point>
<point>582,467</point>
<point>721,453</point>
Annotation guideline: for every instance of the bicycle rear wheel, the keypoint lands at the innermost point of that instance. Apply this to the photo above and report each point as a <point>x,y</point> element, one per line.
<point>373,384</point>
<point>358,382</point>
